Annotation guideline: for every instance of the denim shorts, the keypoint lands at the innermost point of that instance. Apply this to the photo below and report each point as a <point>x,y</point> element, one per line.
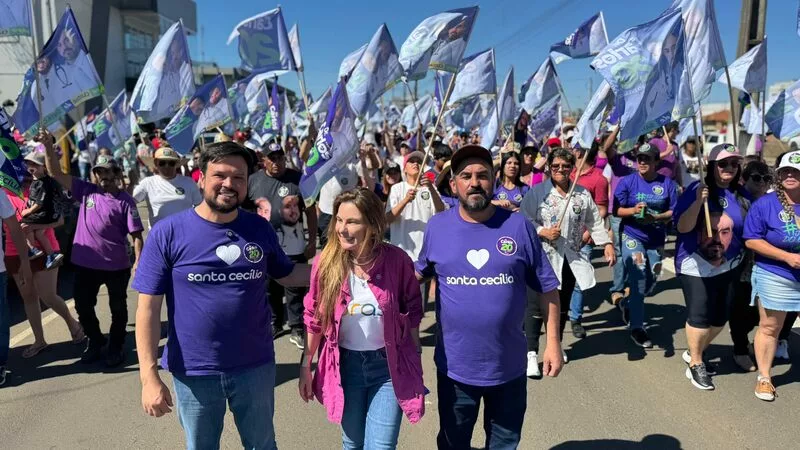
<point>774,292</point>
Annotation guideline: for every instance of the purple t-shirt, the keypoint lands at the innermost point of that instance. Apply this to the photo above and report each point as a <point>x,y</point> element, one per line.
<point>621,167</point>
<point>482,270</point>
<point>513,195</point>
<point>104,222</point>
<point>687,242</point>
<point>660,196</point>
<point>666,166</point>
<point>214,277</point>
<point>767,220</point>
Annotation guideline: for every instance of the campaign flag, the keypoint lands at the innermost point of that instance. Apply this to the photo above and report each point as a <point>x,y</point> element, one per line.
<point>167,81</point>
<point>83,127</point>
<point>437,91</point>
<point>644,66</point>
<point>264,45</point>
<point>374,73</point>
<point>294,43</point>
<point>258,101</point>
<point>12,165</point>
<point>783,115</point>
<point>336,145</point>
<point>349,62</point>
<point>540,89</point>
<point>207,109</point>
<point>686,129</point>
<point>15,18</point>
<point>798,18</point>
<point>704,53</point>
<point>286,116</point>
<point>584,42</point>
<point>319,108</point>
<point>409,116</point>
<point>472,112</point>
<point>505,100</point>
<point>489,129</point>
<point>589,123</point>
<point>438,42</point>
<point>116,121</point>
<point>542,124</point>
<point>751,119</point>
<point>392,114</point>
<point>274,110</point>
<point>67,75</point>
<point>476,76</point>
<point>749,71</point>
<point>238,99</point>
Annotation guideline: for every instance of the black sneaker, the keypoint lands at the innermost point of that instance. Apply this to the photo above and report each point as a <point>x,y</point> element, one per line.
<point>3,374</point>
<point>93,352</point>
<point>711,368</point>
<point>277,331</point>
<point>115,357</point>
<point>577,329</point>
<point>625,312</point>
<point>296,338</point>
<point>640,338</point>
<point>699,377</point>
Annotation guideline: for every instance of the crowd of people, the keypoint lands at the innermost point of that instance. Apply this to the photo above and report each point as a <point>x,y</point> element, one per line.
<point>503,240</point>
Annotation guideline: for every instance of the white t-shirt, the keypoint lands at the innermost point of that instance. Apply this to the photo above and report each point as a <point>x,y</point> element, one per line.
<point>408,229</point>
<point>361,329</point>
<point>345,180</point>
<point>165,197</point>
<point>6,210</point>
<point>689,169</point>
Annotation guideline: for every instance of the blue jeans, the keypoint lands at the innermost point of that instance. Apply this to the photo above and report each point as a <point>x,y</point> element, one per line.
<point>372,415</point>
<point>202,400</point>
<point>641,267</point>
<point>84,169</point>
<point>5,320</point>
<point>576,303</point>
<point>459,403</point>
<point>618,283</point>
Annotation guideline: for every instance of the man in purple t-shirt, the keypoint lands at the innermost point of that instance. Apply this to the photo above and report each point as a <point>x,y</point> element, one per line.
<point>483,258</point>
<point>212,264</point>
<point>106,217</point>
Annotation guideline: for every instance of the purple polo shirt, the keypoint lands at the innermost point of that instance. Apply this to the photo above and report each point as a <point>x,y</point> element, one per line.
<point>104,222</point>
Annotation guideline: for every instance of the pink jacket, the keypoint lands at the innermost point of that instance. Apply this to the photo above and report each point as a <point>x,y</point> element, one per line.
<point>394,283</point>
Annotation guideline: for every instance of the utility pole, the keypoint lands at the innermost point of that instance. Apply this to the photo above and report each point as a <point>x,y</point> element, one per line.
<point>752,27</point>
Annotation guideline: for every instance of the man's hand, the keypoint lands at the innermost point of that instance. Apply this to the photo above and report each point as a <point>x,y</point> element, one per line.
<point>552,362</point>
<point>410,196</point>
<point>156,399</point>
<point>551,234</point>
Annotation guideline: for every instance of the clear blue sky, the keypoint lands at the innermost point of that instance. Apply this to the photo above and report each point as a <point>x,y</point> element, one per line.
<point>520,31</point>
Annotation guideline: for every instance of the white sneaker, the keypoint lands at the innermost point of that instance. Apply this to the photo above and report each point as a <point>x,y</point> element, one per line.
<point>564,356</point>
<point>782,352</point>
<point>533,365</point>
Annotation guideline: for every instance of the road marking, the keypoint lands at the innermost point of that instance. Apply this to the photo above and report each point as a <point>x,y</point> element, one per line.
<point>24,334</point>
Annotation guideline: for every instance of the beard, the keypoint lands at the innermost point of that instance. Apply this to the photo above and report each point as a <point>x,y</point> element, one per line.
<point>211,201</point>
<point>475,205</point>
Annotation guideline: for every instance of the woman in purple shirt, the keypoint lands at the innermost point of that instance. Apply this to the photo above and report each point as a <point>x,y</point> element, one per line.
<point>370,369</point>
<point>644,201</point>
<point>772,232</point>
<point>509,190</point>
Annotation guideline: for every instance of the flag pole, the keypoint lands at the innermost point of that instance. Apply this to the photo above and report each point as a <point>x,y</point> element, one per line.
<point>763,124</point>
<point>34,39</point>
<point>697,137</point>
<point>733,112</point>
<point>302,80</point>
<point>420,142</point>
<point>438,120</point>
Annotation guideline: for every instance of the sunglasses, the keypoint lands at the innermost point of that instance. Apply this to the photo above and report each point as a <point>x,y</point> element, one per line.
<point>561,167</point>
<point>644,159</point>
<point>166,163</point>
<point>730,163</point>
<point>759,178</point>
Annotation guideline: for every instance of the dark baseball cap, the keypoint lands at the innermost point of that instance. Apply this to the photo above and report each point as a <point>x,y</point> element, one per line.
<point>469,152</point>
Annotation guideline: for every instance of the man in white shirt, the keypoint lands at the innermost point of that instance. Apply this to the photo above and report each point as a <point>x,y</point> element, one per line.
<point>166,192</point>
<point>409,208</point>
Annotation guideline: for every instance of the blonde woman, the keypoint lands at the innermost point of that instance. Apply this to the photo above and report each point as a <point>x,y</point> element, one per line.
<point>362,313</point>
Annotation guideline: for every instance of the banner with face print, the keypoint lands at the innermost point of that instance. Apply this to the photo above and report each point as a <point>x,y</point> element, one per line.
<point>12,166</point>
<point>207,109</point>
<point>264,45</point>
<point>375,72</point>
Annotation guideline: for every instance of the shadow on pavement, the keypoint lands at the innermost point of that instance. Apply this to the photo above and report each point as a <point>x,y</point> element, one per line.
<point>653,441</point>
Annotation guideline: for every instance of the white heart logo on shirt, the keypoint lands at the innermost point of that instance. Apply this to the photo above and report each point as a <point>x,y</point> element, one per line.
<point>478,258</point>
<point>229,253</point>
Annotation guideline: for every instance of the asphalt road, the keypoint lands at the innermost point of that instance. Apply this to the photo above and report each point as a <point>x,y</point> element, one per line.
<point>611,394</point>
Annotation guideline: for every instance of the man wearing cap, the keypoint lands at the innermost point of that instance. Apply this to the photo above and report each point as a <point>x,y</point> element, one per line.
<point>410,206</point>
<point>106,217</point>
<point>166,192</point>
<point>268,191</point>
<point>482,258</point>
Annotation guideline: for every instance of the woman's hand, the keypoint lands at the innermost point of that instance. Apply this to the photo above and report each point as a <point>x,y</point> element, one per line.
<point>551,234</point>
<point>305,384</point>
<point>609,254</point>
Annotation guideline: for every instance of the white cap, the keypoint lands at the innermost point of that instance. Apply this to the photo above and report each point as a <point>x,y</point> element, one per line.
<point>791,159</point>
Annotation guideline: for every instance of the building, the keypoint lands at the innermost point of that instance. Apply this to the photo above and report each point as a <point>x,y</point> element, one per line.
<point>120,35</point>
